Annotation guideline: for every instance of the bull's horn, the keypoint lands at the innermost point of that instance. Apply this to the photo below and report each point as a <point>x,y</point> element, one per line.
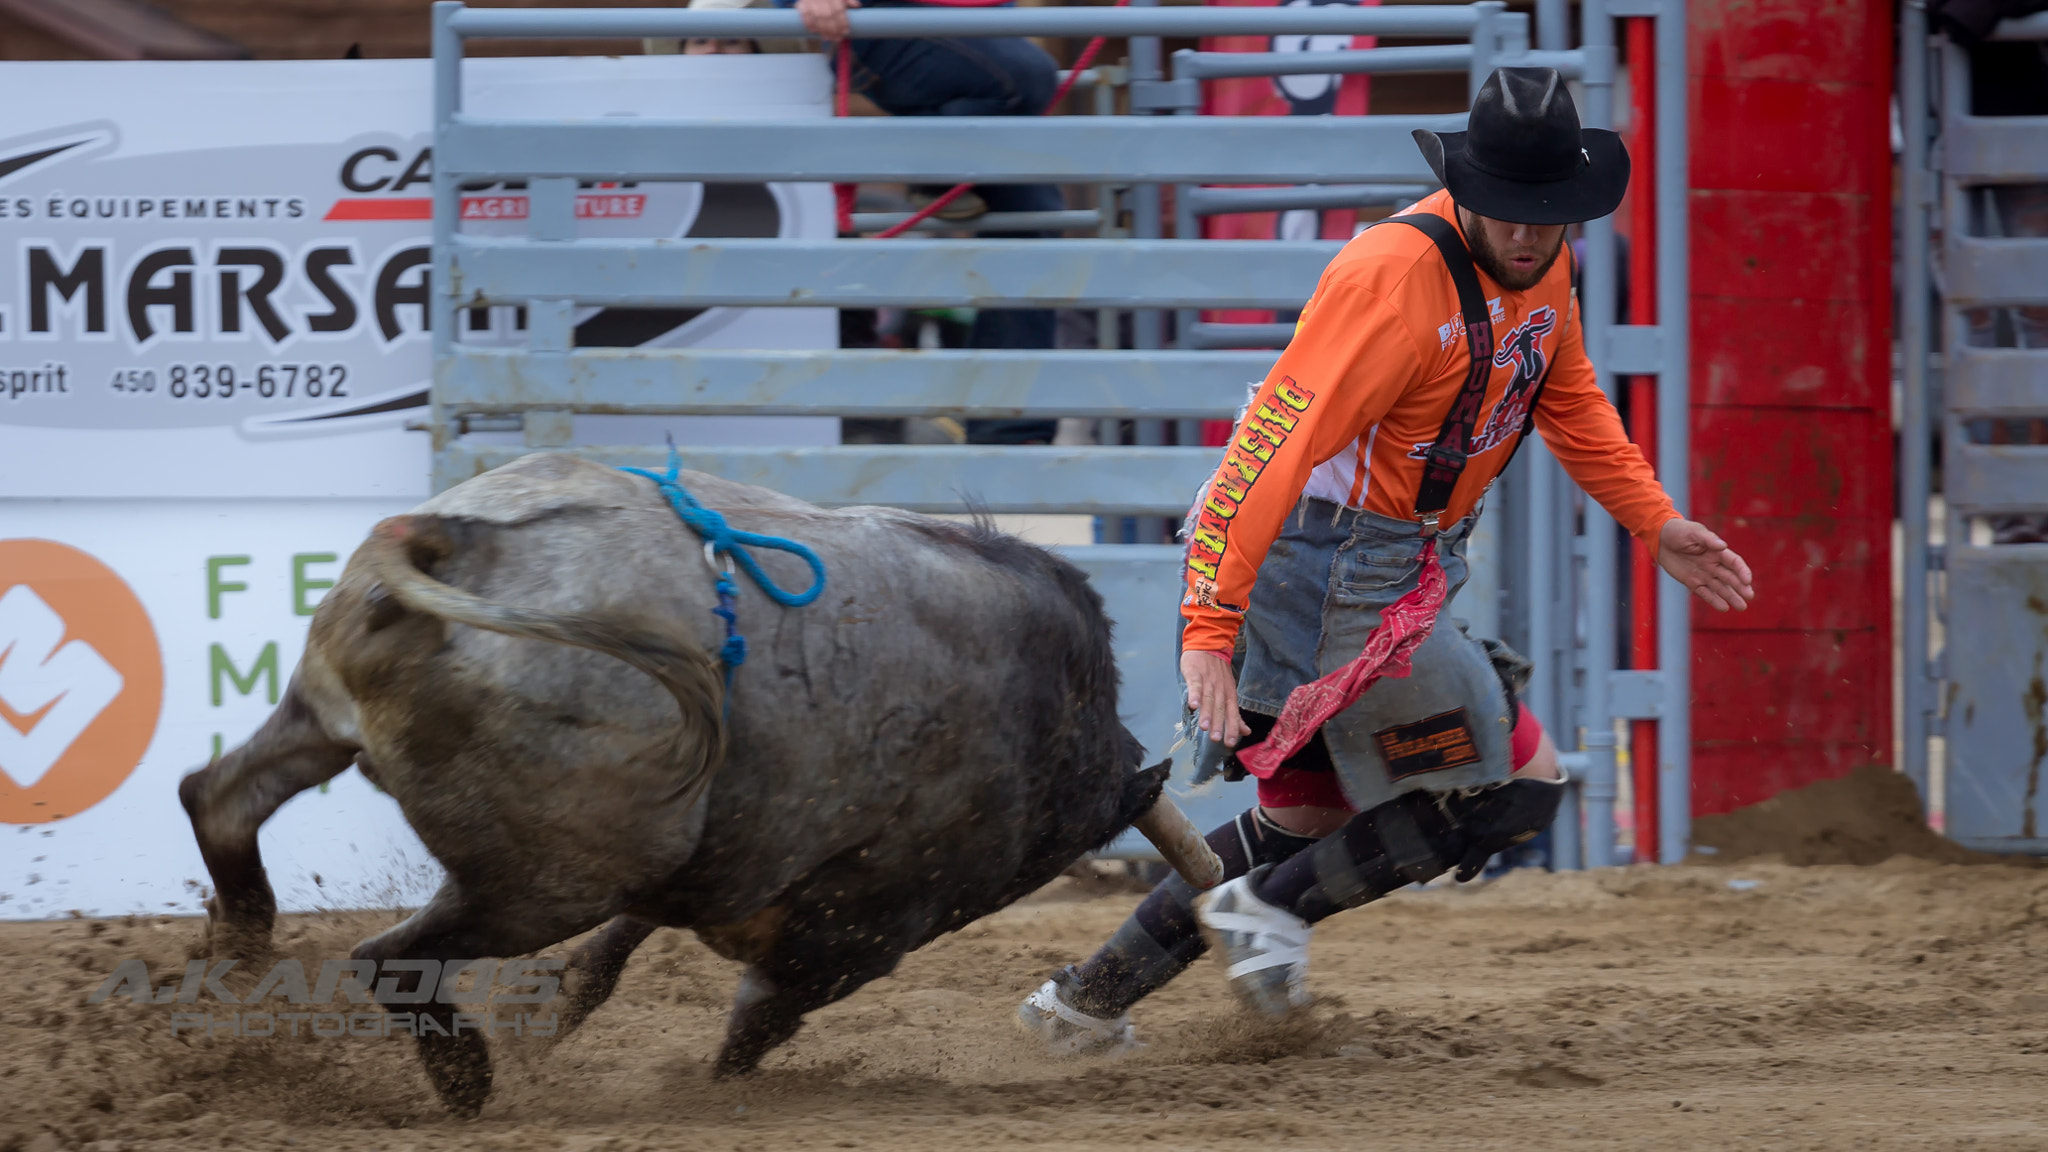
<point>1170,831</point>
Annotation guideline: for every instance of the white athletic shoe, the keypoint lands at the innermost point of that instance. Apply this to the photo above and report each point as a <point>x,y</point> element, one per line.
<point>1067,1031</point>
<point>1264,949</point>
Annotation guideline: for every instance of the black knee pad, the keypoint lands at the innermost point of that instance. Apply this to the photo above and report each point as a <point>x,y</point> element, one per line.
<point>1495,819</point>
<point>1411,839</point>
<point>1407,840</point>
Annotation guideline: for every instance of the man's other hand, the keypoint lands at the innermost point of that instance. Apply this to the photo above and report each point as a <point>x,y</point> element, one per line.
<point>826,18</point>
<point>1705,564</point>
<point>1212,693</point>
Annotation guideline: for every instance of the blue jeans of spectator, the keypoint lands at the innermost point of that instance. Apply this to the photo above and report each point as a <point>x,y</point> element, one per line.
<point>983,76</point>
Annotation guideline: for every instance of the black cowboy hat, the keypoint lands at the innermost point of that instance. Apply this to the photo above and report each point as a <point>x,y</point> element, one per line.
<point>1524,159</point>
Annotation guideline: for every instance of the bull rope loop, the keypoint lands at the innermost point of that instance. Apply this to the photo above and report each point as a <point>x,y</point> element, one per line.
<point>719,538</point>
<point>722,538</point>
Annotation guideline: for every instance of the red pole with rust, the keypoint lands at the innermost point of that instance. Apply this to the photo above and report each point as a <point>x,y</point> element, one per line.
<point>1642,405</point>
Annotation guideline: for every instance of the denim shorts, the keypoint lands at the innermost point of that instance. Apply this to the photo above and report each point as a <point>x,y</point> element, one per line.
<point>1447,725</point>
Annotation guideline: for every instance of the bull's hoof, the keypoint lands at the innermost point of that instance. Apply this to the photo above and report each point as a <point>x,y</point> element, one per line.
<point>227,939</point>
<point>461,1077</point>
<point>582,992</point>
<point>730,1065</point>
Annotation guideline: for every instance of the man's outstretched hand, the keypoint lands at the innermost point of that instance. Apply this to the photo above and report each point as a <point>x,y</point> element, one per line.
<point>1705,564</point>
<point>1212,693</point>
<point>826,18</point>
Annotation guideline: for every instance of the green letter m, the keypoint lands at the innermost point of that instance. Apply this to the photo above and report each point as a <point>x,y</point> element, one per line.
<point>266,665</point>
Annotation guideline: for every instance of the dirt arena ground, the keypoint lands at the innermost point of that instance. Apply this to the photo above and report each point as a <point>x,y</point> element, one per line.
<point>1895,1005</point>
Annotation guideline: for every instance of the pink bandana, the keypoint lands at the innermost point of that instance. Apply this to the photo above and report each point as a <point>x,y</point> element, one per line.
<point>1403,626</point>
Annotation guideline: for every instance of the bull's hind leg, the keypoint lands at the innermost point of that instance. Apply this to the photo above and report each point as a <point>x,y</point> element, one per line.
<point>804,969</point>
<point>228,801</point>
<point>455,927</point>
<point>594,967</point>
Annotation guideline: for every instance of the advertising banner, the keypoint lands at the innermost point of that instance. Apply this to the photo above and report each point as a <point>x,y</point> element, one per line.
<point>213,335</point>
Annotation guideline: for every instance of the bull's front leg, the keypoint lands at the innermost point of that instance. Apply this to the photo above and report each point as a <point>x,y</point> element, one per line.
<point>228,801</point>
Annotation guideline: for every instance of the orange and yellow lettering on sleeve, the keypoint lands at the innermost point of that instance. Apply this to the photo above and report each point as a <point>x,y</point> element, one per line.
<point>1314,403</point>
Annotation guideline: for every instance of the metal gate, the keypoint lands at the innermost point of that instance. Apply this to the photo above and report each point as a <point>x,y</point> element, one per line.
<point>1562,611</point>
<point>1974,348</point>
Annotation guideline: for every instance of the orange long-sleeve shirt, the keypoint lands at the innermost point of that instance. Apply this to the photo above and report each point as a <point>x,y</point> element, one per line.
<point>1361,393</point>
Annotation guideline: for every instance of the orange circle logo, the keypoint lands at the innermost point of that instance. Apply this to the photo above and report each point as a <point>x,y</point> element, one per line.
<point>81,681</point>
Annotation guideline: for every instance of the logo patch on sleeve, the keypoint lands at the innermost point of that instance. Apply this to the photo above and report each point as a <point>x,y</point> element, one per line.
<point>1439,742</point>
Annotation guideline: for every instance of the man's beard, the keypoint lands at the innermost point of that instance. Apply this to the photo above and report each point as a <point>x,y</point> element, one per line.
<point>1490,262</point>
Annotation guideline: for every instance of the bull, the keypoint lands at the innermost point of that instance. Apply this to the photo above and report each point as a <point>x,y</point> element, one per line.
<point>526,664</point>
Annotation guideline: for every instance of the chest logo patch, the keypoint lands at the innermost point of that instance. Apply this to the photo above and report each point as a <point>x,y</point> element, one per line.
<point>1522,348</point>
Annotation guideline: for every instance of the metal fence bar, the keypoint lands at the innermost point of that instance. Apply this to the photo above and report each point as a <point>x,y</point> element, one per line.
<point>1486,43</point>
<point>1674,413</point>
<point>1918,700</point>
<point>1060,221</point>
<point>994,149</point>
<point>1186,225</point>
<point>1597,318</point>
<point>2002,383</point>
<point>1573,65</point>
<point>1978,588</point>
<point>1553,24</point>
<point>986,383</point>
<point>1994,149</point>
<point>940,478</point>
<point>1985,479</point>
<point>901,273</point>
<point>2033,27</point>
<point>1949,90</point>
<point>1206,335</point>
<point>1191,65</point>
<point>447,192</point>
<point>1218,201</point>
<point>1148,325</point>
<point>901,23</point>
<point>1992,271</point>
<point>1543,539</point>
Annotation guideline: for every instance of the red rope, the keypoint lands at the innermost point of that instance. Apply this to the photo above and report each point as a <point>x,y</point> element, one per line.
<point>844,192</point>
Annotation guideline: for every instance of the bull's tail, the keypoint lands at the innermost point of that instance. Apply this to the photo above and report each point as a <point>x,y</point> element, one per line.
<point>399,546</point>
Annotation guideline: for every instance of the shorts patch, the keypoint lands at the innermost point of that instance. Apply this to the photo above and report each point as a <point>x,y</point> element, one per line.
<point>1441,741</point>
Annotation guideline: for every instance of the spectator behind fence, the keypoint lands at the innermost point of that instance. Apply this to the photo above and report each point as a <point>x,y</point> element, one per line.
<point>731,46</point>
<point>983,76</point>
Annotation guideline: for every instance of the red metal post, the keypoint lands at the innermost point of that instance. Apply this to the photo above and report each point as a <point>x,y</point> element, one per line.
<point>1642,404</point>
<point>1791,388</point>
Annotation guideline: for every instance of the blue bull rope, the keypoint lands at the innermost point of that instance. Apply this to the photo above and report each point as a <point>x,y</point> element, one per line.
<point>721,538</point>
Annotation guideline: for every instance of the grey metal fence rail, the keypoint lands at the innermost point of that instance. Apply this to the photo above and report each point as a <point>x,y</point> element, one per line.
<point>1331,161</point>
<point>1973,335</point>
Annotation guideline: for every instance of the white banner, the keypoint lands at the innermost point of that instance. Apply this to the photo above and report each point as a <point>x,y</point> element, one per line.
<point>212,336</point>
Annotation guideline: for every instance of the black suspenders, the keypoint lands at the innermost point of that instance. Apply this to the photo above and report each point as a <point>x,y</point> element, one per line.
<point>1446,459</point>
